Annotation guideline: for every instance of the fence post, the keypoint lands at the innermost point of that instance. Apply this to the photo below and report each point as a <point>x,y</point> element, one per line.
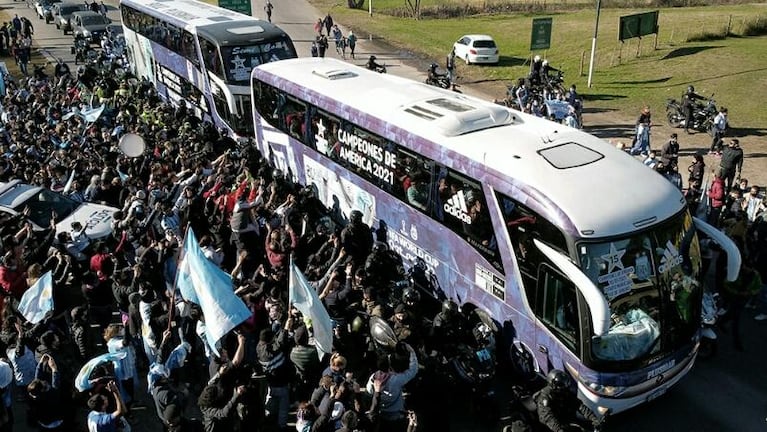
<point>729,25</point>
<point>639,47</point>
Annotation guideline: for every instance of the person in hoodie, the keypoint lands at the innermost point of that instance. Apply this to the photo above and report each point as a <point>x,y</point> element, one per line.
<point>716,197</point>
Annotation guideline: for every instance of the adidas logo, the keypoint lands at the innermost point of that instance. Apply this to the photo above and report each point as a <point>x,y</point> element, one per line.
<point>456,206</point>
<point>671,258</point>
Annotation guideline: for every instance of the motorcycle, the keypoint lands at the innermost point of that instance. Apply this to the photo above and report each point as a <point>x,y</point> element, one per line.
<point>702,115</point>
<point>81,50</point>
<point>709,313</point>
<point>441,81</point>
<point>378,68</point>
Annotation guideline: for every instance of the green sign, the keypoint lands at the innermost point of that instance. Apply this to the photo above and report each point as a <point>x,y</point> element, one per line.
<point>540,38</point>
<point>638,25</point>
<point>241,6</point>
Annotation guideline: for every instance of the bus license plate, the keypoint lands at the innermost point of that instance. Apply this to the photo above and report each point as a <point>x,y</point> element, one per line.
<point>655,395</point>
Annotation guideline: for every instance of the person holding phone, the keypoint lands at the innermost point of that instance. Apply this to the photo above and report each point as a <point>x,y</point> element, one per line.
<point>98,419</point>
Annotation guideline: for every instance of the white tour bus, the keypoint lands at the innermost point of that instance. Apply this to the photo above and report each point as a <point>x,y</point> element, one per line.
<point>201,54</point>
<point>589,261</point>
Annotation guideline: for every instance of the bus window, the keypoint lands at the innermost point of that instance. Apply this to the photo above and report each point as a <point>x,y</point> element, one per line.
<point>465,212</point>
<point>211,58</point>
<point>557,307</point>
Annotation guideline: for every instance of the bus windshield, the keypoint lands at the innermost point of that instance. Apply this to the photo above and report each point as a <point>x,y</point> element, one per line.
<point>651,282</point>
<point>239,61</point>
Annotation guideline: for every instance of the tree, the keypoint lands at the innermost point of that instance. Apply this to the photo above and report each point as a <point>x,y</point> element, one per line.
<point>414,6</point>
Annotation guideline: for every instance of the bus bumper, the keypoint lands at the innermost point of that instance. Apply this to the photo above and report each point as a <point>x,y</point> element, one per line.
<point>640,393</point>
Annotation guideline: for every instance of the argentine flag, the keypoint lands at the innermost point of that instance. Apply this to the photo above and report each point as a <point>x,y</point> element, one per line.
<point>305,299</point>
<point>202,282</point>
<point>38,299</point>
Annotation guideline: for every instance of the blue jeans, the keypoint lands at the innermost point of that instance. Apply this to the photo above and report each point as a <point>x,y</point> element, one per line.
<point>642,144</point>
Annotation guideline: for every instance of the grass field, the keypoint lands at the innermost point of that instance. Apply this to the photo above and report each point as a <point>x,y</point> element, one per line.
<point>733,68</point>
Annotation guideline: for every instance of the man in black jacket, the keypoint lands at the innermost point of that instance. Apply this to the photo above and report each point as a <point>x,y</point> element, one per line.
<point>732,161</point>
<point>688,103</point>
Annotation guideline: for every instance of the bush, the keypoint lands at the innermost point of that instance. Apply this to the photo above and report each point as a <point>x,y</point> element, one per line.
<point>707,35</point>
<point>757,27</point>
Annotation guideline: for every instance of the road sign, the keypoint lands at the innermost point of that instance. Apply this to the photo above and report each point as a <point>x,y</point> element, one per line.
<point>540,38</point>
<point>638,25</point>
<point>241,6</point>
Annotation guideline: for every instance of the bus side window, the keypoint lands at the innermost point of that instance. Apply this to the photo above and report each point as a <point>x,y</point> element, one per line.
<point>557,306</point>
<point>210,57</point>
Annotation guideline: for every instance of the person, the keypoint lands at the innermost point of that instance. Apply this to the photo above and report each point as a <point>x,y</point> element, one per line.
<point>716,198</point>
<point>99,420</point>
<point>535,70</point>
<point>315,49</point>
<point>338,38</point>
<point>651,161</point>
<point>450,66</point>
<point>753,204</point>
<point>736,294</point>
<point>696,169</point>
<point>718,129</point>
<point>642,137</point>
<point>558,406</point>
<point>45,404</point>
<point>268,9</point>
<point>356,237</point>
<point>688,104</point>
<point>732,162</point>
<point>392,416</point>
<point>322,45</point>
<point>351,42</point>
<point>328,22</point>
<point>318,26</point>
<point>372,65</point>
<point>669,153</point>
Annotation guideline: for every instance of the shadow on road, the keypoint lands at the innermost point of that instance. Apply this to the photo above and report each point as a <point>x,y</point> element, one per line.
<point>681,52</point>
<point>593,110</point>
<point>746,132</point>
<point>601,96</point>
<point>651,81</point>
<point>610,131</point>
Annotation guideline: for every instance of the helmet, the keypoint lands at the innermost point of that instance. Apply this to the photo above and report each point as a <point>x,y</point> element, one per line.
<point>449,307</point>
<point>558,379</point>
<point>379,247</point>
<point>358,324</point>
<point>355,217</point>
<point>372,58</point>
<point>433,66</point>
<point>411,297</point>
<point>690,89</point>
<point>277,174</point>
<point>545,62</point>
<point>537,58</point>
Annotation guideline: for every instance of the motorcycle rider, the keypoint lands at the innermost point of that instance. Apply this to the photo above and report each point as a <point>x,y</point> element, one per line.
<point>688,103</point>
<point>558,406</point>
<point>372,65</point>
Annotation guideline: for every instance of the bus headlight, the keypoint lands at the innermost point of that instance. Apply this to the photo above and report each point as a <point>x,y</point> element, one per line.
<point>598,389</point>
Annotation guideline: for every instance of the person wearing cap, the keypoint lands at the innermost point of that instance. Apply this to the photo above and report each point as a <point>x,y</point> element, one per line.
<point>731,163</point>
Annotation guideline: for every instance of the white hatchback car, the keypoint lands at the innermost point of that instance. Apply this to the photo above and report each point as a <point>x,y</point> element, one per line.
<point>476,49</point>
<point>16,196</point>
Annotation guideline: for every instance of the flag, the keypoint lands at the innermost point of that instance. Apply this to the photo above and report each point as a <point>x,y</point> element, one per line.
<point>202,282</point>
<point>38,299</point>
<point>82,381</point>
<point>305,299</point>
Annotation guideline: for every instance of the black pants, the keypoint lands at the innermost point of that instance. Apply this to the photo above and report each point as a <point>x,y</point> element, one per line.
<point>687,118</point>
<point>716,141</point>
<point>729,177</point>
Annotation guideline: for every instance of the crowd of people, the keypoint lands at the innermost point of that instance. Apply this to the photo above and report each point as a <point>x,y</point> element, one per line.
<point>117,318</point>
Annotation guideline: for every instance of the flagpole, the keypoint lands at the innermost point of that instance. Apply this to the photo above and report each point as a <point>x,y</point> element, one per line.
<point>175,279</point>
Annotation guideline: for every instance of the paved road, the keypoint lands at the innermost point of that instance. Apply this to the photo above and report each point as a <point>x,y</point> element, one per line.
<point>726,393</point>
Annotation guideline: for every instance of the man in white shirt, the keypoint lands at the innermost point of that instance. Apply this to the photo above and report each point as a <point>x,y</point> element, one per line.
<point>719,126</point>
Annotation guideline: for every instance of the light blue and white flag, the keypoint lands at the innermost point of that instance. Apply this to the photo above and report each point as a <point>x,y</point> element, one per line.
<point>93,114</point>
<point>305,299</point>
<point>202,282</point>
<point>83,381</point>
<point>38,299</point>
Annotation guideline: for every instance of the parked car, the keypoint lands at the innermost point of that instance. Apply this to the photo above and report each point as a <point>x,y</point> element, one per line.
<point>62,13</point>
<point>89,25</point>
<point>44,9</point>
<point>476,49</point>
<point>16,196</point>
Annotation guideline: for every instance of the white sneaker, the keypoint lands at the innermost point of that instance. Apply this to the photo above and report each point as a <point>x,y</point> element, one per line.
<point>761,317</point>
